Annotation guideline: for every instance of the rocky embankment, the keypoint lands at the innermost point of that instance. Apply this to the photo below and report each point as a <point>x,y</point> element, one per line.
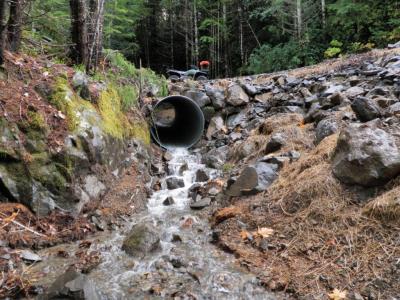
<point>309,199</point>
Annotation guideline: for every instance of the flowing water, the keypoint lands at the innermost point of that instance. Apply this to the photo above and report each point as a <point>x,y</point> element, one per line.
<point>188,266</point>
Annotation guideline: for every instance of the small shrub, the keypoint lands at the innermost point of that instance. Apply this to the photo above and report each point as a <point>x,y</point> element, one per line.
<point>334,50</point>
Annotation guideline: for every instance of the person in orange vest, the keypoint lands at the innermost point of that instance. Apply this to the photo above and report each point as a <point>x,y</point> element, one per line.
<point>204,65</point>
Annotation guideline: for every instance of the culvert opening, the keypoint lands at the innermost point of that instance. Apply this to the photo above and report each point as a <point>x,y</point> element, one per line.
<point>177,122</point>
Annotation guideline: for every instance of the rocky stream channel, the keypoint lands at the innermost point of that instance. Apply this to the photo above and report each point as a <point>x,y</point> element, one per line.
<point>164,251</point>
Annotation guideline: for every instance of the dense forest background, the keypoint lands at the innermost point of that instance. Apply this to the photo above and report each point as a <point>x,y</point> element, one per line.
<point>238,37</point>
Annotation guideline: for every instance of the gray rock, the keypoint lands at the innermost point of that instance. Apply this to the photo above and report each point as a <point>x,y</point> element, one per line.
<point>252,179</point>
<point>167,156</point>
<point>384,102</point>
<point>174,183</point>
<point>394,109</point>
<point>325,128</point>
<point>199,97</point>
<point>236,96</point>
<point>286,110</point>
<point>168,201</point>
<point>216,125</point>
<point>143,239</point>
<point>79,79</point>
<point>275,143</point>
<point>235,136</point>
<point>366,155</point>
<point>332,90</point>
<point>236,119</point>
<point>94,187</point>
<point>217,96</point>
<point>72,285</point>
<point>30,256</point>
<point>202,176</point>
<point>366,109</point>
<point>183,168</point>
<point>354,91</point>
<point>250,89</point>
<point>201,204</point>
<point>216,157</point>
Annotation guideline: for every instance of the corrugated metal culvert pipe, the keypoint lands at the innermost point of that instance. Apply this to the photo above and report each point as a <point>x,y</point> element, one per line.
<point>177,122</point>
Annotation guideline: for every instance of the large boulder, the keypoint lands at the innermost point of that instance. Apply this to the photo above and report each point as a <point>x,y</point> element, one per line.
<point>237,96</point>
<point>366,155</point>
<point>217,96</point>
<point>325,128</point>
<point>366,109</point>
<point>216,126</point>
<point>216,158</point>
<point>253,179</point>
<point>143,239</point>
<point>199,97</point>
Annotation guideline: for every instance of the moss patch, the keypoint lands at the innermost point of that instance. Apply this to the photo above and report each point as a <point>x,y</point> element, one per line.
<point>68,102</point>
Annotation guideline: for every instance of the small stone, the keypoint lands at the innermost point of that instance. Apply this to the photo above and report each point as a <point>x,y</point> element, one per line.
<point>201,176</point>
<point>366,109</point>
<point>201,204</point>
<point>30,256</point>
<point>174,183</point>
<point>167,156</point>
<point>275,143</point>
<point>168,201</point>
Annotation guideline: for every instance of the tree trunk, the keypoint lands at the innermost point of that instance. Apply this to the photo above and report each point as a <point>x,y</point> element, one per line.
<point>323,10</point>
<point>14,26</point>
<point>95,32</point>
<point>79,32</point>
<point>240,12</point>
<point>171,37</point>
<point>225,33</point>
<point>299,20</point>
<point>3,7</point>
<point>186,34</point>
<point>196,34</point>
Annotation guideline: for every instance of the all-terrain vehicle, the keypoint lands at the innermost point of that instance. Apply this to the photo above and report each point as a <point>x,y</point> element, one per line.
<point>193,73</point>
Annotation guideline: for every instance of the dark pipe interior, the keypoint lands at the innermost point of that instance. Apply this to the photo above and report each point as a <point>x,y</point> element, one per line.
<point>178,122</point>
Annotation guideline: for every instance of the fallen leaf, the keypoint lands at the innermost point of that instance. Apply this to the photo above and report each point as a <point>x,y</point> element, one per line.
<point>264,232</point>
<point>337,295</point>
<point>245,235</point>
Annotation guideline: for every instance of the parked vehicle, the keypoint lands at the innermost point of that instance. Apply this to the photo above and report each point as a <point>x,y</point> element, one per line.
<point>193,73</point>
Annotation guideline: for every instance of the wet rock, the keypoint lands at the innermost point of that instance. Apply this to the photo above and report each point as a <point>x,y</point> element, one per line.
<point>199,97</point>
<point>325,128</point>
<point>183,168</point>
<point>216,125</point>
<point>366,155</point>
<point>201,203</point>
<point>175,183</point>
<point>216,157</point>
<point>253,179</point>
<point>236,96</point>
<point>202,176</point>
<point>72,285</point>
<point>167,156</point>
<point>143,239</point>
<point>366,109</point>
<point>168,201</point>
<point>217,97</point>
<point>275,143</point>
